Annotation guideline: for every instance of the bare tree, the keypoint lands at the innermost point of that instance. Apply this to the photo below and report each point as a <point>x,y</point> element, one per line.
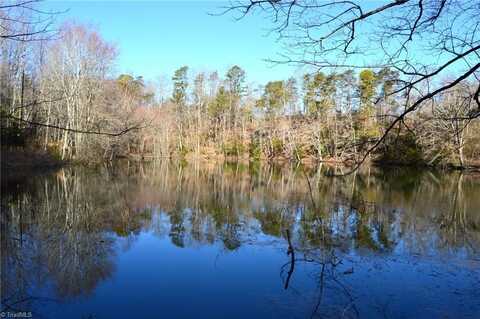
<point>50,78</point>
<point>403,35</point>
<point>23,20</point>
<point>445,128</point>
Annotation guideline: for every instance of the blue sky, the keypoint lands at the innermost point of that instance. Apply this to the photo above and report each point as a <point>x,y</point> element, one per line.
<point>156,37</point>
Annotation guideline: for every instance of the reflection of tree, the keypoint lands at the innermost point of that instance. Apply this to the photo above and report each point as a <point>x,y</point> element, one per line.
<point>59,232</point>
<point>371,210</point>
<point>273,220</point>
<point>64,226</point>
<point>329,280</point>
<point>177,230</point>
<point>458,229</point>
<point>78,262</point>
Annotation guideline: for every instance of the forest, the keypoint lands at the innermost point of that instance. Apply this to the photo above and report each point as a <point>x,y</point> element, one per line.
<point>61,95</point>
<point>153,165</point>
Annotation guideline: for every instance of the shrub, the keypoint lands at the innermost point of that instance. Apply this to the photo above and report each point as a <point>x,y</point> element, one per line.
<point>234,148</point>
<point>277,146</point>
<point>401,149</point>
<point>255,150</point>
<point>183,150</point>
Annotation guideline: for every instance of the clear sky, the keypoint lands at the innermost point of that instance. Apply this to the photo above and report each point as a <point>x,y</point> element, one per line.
<point>156,37</point>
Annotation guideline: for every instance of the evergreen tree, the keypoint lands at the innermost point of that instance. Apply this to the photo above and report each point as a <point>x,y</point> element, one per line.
<point>274,97</point>
<point>219,104</point>
<point>235,79</point>
<point>180,85</point>
<point>367,82</point>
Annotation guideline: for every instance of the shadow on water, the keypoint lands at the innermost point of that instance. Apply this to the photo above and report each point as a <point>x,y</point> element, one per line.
<point>372,244</point>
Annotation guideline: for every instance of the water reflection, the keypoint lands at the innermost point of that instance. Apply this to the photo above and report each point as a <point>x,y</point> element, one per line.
<point>63,234</point>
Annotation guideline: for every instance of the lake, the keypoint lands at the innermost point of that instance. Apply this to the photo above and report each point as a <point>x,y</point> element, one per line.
<point>165,240</point>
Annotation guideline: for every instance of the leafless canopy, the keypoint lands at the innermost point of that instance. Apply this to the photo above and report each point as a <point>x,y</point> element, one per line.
<point>424,40</point>
<point>22,20</point>
<point>23,25</point>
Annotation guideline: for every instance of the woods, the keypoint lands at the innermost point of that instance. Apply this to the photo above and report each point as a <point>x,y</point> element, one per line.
<point>240,159</point>
<point>60,93</point>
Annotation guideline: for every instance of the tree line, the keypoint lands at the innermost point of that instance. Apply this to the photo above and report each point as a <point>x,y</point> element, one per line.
<point>61,94</point>
<point>319,117</point>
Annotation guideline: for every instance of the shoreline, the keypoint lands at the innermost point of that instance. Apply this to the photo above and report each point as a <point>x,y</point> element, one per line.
<point>21,162</point>
<point>24,162</point>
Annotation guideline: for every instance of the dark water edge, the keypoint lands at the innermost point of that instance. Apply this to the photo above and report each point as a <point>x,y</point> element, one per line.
<point>213,241</point>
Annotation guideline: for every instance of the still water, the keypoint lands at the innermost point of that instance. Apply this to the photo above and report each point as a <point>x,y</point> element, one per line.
<point>236,241</point>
